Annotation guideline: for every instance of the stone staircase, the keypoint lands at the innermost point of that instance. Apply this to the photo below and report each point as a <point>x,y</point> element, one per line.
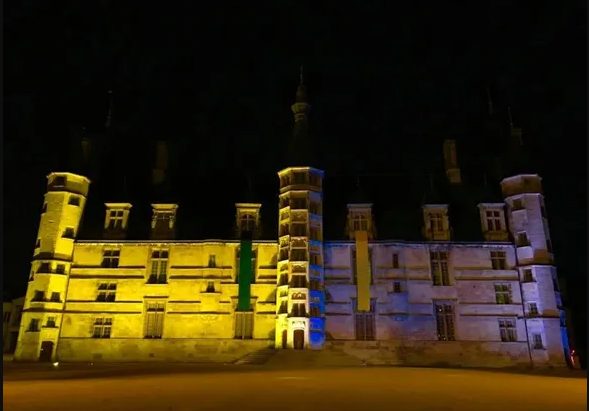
<point>257,357</point>
<point>297,359</point>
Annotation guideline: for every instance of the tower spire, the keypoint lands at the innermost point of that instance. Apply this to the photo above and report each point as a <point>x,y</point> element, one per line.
<point>300,152</point>
<point>489,100</point>
<point>108,122</point>
<point>301,76</point>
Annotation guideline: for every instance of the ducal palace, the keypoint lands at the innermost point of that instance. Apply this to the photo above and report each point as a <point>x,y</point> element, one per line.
<point>489,301</point>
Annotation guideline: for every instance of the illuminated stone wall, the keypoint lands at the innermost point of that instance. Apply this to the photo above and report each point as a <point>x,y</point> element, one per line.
<point>405,295</point>
<point>170,300</point>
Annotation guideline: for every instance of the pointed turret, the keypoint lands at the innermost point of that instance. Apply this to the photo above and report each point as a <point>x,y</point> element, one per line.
<point>108,121</point>
<point>300,151</point>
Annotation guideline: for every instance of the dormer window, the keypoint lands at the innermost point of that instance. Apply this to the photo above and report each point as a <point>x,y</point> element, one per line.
<point>115,219</point>
<point>436,221</point>
<point>493,222</point>
<point>247,218</point>
<point>163,221</point>
<point>360,220</point>
<point>360,223</point>
<point>436,224</point>
<point>247,222</point>
<point>117,216</point>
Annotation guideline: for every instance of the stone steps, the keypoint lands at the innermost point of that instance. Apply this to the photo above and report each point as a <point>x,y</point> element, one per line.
<point>313,358</point>
<point>257,357</point>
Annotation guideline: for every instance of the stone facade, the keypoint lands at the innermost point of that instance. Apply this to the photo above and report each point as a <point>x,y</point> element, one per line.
<point>439,301</point>
<point>435,302</point>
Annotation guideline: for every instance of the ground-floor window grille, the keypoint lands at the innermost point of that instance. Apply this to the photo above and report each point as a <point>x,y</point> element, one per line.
<point>244,325</point>
<point>154,319</point>
<point>445,321</point>
<point>365,322</point>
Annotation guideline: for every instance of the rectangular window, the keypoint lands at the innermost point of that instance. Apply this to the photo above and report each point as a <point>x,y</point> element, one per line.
<point>521,239</point>
<point>210,287</point>
<point>212,261</point>
<point>360,223</point>
<point>60,268</point>
<point>68,233</point>
<point>44,268</point>
<point>106,292</point>
<point>283,308</point>
<point>74,200</point>
<point>298,281</point>
<point>503,294</point>
<point>507,330</point>
<point>298,230</point>
<point>55,297</point>
<point>247,223</point>
<point>494,220</point>
<point>298,310</point>
<point>498,260</point>
<point>517,204</point>
<point>244,325</point>
<point>298,255</point>
<point>537,343</point>
<point>115,219</point>
<point>528,276</point>
<point>154,319</point>
<point>397,287</point>
<point>51,323</point>
<point>315,234</point>
<point>159,267</point>
<point>533,309</point>
<point>436,222</point>
<point>59,181</point>
<point>38,296</point>
<point>445,321</point>
<point>395,260</point>
<point>439,264</point>
<point>315,311</point>
<point>102,327</point>
<point>315,285</point>
<point>315,259</point>
<point>34,325</point>
<point>365,322</point>
<point>110,258</point>
<point>315,208</point>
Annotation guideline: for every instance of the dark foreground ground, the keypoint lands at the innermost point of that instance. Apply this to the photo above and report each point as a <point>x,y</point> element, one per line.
<point>180,387</point>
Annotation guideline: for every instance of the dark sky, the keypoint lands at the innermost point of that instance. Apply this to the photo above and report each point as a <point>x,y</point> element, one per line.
<point>387,83</point>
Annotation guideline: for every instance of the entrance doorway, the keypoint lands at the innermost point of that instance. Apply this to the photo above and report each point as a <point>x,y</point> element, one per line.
<point>299,339</point>
<point>284,338</point>
<point>46,351</point>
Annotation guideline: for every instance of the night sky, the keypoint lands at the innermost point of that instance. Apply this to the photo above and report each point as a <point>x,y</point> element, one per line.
<point>387,84</point>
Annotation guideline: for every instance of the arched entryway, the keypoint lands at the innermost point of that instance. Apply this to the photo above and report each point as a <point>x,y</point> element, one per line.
<point>299,339</point>
<point>284,339</point>
<point>46,351</point>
